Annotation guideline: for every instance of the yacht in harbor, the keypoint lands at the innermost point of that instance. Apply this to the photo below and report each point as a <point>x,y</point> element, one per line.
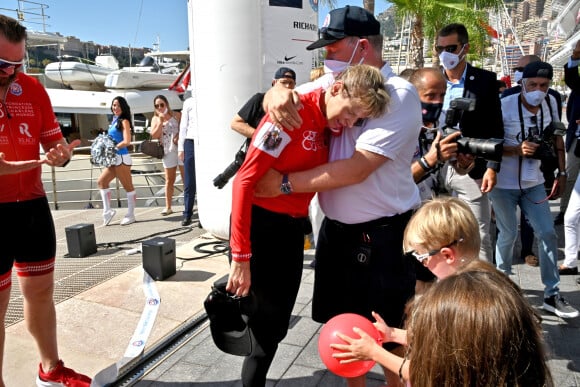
<point>81,74</point>
<point>157,70</point>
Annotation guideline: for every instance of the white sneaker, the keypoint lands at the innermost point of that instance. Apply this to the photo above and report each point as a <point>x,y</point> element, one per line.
<point>127,220</point>
<point>108,216</point>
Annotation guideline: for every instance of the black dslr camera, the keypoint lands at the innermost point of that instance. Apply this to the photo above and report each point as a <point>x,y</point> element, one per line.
<point>222,179</point>
<point>490,149</point>
<point>545,139</point>
<point>545,149</point>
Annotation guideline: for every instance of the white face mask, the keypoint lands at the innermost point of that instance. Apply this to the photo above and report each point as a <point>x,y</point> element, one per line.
<point>518,76</point>
<point>535,97</point>
<point>164,112</point>
<point>338,66</point>
<point>450,60</point>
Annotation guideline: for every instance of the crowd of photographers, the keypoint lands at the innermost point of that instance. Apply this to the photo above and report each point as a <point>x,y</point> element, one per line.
<point>507,153</point>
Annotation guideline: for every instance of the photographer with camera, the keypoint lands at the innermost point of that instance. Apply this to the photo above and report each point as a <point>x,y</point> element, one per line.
<point>247,120</point>
<point>471,177</point>
<point>530,141</point>
<point>526,232</point>
<point>432,149</point>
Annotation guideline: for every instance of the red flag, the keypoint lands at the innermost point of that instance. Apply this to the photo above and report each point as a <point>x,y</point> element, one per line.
<point>490,31</point>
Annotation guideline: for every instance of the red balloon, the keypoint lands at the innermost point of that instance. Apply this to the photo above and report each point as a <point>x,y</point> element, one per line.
<point>343,323</point>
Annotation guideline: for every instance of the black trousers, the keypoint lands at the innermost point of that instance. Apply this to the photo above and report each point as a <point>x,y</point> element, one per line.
<point>276,267</point>
<point>345,282</point>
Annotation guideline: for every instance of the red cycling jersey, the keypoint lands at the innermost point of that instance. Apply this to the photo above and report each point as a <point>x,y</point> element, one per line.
<point>284,151</point>
<point>26,121</point>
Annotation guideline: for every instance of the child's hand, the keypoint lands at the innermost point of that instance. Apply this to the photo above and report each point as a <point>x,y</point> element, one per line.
<point>363,348</point>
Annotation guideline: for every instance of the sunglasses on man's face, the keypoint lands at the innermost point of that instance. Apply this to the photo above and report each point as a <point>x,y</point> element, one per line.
<point>520,69</point>
<point>6,64</point>
<point>449,48</point>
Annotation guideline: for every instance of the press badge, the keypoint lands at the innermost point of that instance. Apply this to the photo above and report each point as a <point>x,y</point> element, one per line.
<point>271,139</point>
<point>530,170</point>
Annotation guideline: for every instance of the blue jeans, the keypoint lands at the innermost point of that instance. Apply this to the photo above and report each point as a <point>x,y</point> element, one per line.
<point>189,187</point>
<point>504,202</point>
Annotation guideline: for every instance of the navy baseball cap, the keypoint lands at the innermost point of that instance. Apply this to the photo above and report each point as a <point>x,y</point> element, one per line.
<point>285,72</point>
<point>347,21</point>
<point>538,70</point>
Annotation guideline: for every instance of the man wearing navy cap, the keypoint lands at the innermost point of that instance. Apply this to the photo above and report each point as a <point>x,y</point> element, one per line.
<point>366,191</point>
<point>527,116</point>
<point>247,119</point>
<point>286,76</point>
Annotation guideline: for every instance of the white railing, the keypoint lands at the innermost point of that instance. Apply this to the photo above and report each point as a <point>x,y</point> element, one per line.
<point>75,186</point>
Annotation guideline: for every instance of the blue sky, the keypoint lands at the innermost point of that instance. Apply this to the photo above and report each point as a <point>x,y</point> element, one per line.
<point>380,6</point>
<point>117,22</point>
<point>137,23</point>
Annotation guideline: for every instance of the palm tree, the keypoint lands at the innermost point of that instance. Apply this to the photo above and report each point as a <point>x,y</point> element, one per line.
<point>428,17</point>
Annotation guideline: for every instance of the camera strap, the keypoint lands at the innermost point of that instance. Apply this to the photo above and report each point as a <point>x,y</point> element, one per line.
<point>520,112</point>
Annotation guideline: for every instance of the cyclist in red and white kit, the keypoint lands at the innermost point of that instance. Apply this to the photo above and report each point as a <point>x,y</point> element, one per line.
<point>27,122</point>
<point>267,234</point>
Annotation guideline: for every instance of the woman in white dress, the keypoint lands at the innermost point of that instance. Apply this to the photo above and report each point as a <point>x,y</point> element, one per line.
<point>165,127</point>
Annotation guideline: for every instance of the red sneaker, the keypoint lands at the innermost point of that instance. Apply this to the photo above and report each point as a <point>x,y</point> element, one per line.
<point>61,376</point>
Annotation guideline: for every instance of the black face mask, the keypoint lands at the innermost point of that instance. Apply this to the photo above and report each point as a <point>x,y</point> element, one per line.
<point>431,112</point>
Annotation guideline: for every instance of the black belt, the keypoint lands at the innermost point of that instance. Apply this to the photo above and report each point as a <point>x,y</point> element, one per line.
<point>376,223</point>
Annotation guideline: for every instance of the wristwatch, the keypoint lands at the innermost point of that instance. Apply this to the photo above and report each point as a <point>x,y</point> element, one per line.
<point>563,173</point>
<point>285,187</point>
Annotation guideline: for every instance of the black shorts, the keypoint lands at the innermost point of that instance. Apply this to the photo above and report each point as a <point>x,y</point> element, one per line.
<point>27,237</point>
<point>347,283</point>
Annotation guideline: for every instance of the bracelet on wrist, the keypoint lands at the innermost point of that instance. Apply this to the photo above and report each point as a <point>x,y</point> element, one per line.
<point>424,164</point>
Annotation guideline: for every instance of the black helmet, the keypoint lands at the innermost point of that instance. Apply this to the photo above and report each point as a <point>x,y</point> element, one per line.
<point>228,316</point>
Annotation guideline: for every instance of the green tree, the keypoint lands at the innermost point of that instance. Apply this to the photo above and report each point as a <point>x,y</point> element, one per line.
<point>428,16</point>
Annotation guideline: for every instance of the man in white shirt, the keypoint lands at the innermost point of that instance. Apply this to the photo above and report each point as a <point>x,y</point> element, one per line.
<point>527,117</point>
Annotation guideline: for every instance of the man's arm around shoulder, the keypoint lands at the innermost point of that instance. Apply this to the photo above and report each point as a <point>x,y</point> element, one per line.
<point>336,174</point>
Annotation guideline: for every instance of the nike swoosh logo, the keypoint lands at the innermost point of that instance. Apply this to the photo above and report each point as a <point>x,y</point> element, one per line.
<point>289,58</point>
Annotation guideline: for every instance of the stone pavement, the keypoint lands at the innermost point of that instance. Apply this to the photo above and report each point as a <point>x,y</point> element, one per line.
<point>200,363</point>
<point>95,324</point>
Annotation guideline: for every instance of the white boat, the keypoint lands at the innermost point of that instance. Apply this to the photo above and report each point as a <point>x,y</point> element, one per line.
<point>155,71</point>
<point>82,74</point>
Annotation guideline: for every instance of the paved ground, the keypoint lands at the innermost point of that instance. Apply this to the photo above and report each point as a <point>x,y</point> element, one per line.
<point>200,363</point>
<point>96,320</point>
